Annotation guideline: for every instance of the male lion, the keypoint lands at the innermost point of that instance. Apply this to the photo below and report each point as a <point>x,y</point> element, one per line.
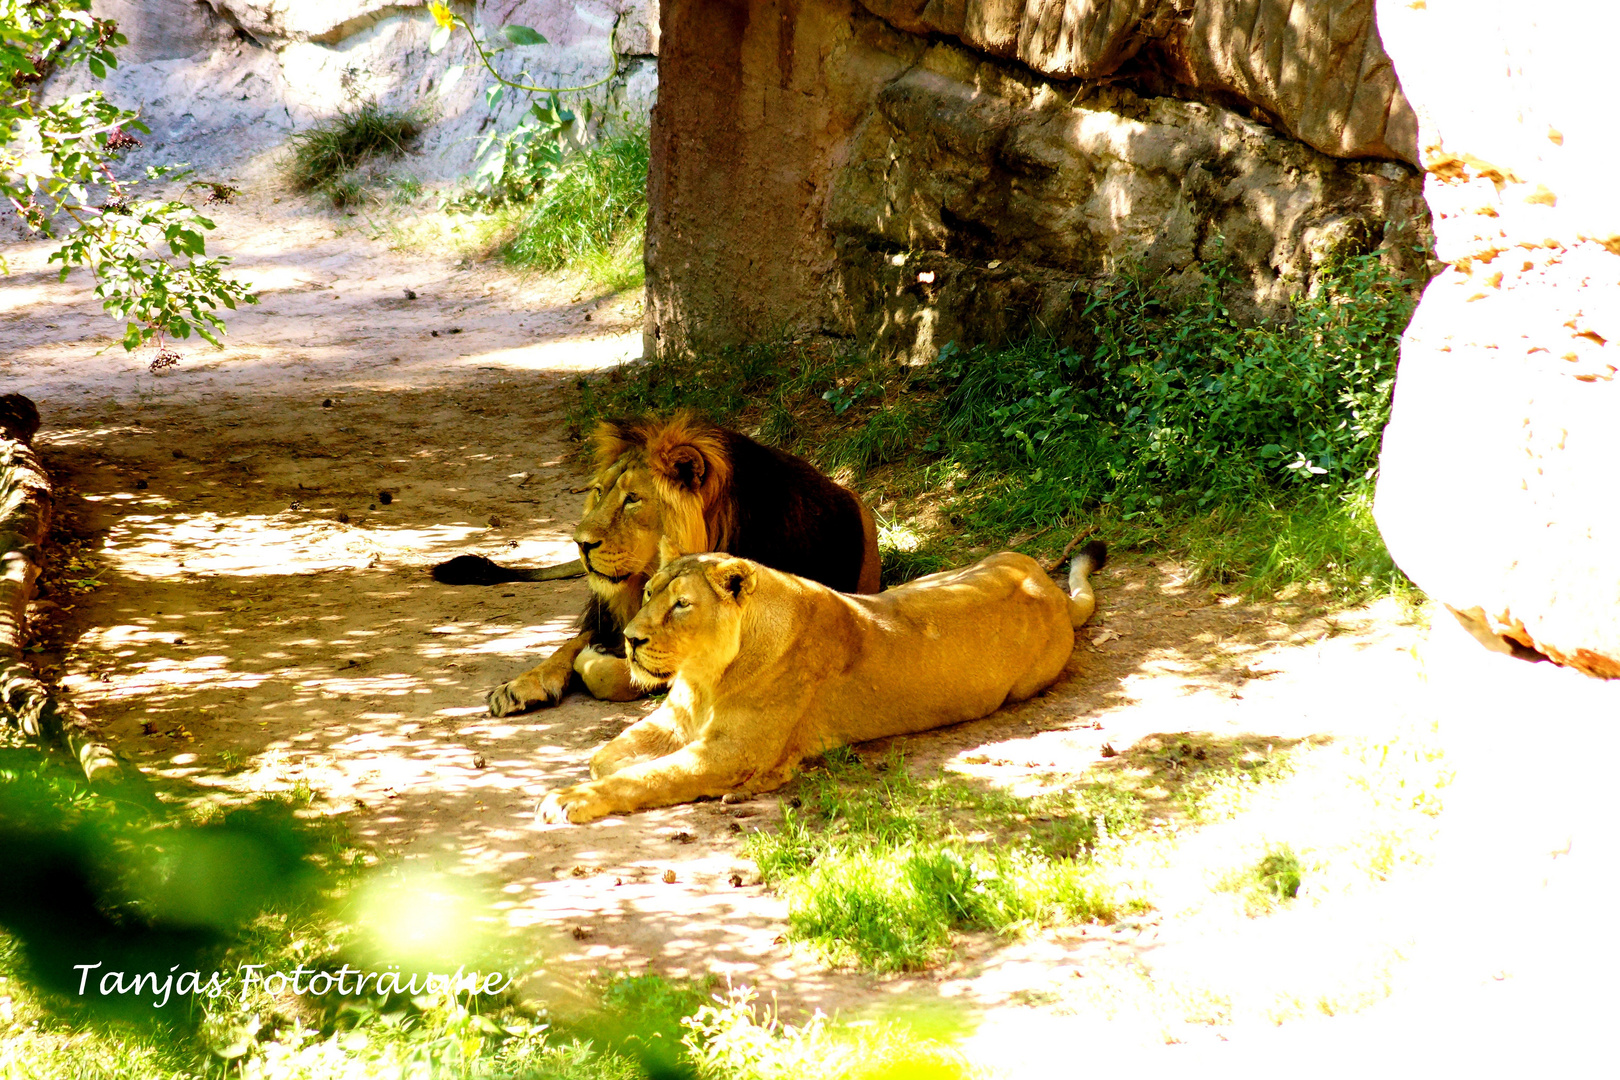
<point>673,487</point>
<point>769,669</point>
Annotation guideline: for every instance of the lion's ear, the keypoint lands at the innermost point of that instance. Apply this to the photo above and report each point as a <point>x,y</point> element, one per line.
<point>734,578</point>
<point>682,465</point>
<point>610,440</point>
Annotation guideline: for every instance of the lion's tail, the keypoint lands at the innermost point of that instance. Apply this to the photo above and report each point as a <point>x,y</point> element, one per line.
<point>1082,601</point>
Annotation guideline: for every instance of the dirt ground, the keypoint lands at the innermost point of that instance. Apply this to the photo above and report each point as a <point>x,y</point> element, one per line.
<point>257,522</point>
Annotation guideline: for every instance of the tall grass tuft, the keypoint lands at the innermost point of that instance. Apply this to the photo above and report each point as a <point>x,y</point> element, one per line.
<point>324,156</point>
<point>592,212</point>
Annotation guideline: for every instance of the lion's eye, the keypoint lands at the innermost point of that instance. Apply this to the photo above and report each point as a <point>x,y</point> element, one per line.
<point>680,604</point>
<point>631,499</point>
<point>646,594</point>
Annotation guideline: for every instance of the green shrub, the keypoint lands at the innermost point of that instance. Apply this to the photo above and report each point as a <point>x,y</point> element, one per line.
<point>1250,450</point>
<point>593,208</point>
<point>1178,403</point>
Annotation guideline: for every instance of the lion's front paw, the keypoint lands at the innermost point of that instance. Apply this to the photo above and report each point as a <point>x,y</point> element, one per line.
<point>575,805</point>
<point>527,691</point>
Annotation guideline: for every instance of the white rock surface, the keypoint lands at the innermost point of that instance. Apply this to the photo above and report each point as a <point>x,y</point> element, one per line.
<point>1499,492</point>
<point>222,80</point>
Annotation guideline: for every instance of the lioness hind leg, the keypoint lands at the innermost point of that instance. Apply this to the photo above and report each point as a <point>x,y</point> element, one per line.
<point>606,676</point>
<point>543,685</point>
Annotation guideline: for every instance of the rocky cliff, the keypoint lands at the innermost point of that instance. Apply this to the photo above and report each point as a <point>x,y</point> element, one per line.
<point>221,79</point>
<point>906,173</point>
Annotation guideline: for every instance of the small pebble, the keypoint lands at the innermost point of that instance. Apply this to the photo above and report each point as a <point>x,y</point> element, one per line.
<point>669,877</point>
<point>140,485</point>
<point>343,517</point>
<point>385,497</point>
<point>179,453</point>
<point>327,404</point>
<point>495,521</point>
<point>410,294</point>
<point>478,761</point>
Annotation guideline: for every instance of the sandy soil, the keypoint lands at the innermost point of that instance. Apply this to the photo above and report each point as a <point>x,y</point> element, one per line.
<point>263,623</point>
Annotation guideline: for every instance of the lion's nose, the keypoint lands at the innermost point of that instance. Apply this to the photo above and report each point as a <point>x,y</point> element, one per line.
<point>586,546</point>
<point>634,643</point>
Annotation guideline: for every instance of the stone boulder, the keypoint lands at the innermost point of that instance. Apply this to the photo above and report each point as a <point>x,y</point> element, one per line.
<point>1499,490</point>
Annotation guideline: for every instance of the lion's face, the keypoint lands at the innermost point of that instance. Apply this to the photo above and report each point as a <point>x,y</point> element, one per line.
<point>690,620</point>
<point>624,520</point>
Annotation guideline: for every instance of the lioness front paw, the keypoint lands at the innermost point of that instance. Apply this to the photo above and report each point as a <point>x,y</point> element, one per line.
<point>576,805</point>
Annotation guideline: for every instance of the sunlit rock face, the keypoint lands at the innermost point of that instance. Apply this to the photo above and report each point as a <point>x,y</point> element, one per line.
<point>911,173</point>
<point>1500,482</point>
<point>218,80</point>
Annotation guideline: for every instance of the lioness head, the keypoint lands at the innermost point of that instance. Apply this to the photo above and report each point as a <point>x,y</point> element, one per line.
<point>690,620</point>
<point>650,500</point>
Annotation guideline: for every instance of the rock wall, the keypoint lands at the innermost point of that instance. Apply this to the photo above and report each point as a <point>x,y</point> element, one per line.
<point>1499,489</point>
<point>906,173</point>
<point>218,80</point>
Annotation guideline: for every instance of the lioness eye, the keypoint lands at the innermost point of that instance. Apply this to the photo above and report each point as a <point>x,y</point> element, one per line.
<point>631,498</point>
<point>681,604</point>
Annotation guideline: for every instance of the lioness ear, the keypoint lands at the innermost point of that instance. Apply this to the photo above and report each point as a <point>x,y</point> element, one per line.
<point>733,578</point>
<point>681,465</point>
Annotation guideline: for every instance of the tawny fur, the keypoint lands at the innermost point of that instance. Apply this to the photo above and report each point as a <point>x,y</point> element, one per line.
<point>768,669</point>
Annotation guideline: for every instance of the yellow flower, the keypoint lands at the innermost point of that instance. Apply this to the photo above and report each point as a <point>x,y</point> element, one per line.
<point>441,14</point>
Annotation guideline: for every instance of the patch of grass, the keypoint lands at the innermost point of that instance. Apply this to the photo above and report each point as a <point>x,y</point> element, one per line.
<point>590,214</point>
<point>1271,881</point>
<point>880,867</point>
<point>732,1038</point>
<point>325,158</point>
<point>1248,450</point>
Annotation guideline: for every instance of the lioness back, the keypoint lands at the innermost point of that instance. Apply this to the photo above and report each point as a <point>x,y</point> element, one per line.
<point>951,646</point>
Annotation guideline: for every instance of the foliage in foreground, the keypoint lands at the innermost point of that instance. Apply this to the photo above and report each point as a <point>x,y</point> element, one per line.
<point>136,883</point>
<point>1252,449</point>
<point>148,257</point>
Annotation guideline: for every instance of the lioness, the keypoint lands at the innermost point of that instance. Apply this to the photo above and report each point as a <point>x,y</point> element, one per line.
<point>673,487</point>
<point>769,669</point>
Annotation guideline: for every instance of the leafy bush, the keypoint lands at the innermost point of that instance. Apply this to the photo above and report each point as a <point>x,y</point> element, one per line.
<point>1178,402</point>
<point>1250,449</point>
<point>53,159</point>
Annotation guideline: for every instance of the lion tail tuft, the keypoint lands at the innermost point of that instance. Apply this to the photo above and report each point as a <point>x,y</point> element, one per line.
<point>1082,601</point>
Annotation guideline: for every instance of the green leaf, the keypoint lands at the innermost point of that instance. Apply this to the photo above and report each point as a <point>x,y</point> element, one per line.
<point>521,35</point>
